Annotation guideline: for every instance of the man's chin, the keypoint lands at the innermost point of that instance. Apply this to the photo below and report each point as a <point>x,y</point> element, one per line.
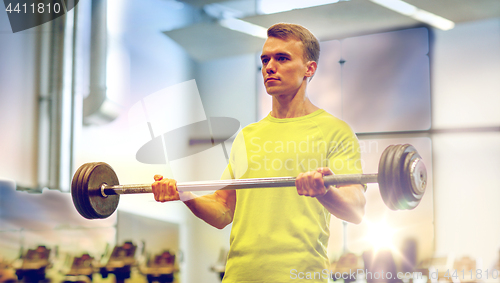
<point>276,94</point>
<point>272,91</point>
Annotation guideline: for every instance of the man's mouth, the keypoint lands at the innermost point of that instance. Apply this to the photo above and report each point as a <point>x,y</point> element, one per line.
<point>272,79</point>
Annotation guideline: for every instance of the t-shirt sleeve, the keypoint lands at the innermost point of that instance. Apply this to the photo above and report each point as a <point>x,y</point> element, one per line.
<point>344,156</point>
<point>238,163</point>
<point>228,173</point>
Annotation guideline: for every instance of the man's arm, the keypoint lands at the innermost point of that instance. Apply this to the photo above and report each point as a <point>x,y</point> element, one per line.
<point>345,202</point>
<point>216,209</point>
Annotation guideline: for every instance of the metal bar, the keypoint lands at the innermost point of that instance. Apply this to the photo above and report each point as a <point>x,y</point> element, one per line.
<point>236,184</point>
<point>351,179</point>
<point>437,131</point>
<point>492,129</point>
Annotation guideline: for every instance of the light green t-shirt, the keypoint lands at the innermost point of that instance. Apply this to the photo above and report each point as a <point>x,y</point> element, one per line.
<point>277,235</point>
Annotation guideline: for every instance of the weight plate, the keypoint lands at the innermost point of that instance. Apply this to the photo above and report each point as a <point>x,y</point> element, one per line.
<point>384,178</point>
<point>99,173</point>
<point>83,192</point>
<point>387,171</point>
<point>380,176</point>
<point>75,190</point>
<point>416,175</point>
<point>389,176</point>
<point>419,177</point>
<point>400,184</point>
<point>410,194</point>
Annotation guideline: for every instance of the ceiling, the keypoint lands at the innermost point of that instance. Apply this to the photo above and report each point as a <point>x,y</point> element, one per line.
<point>209,40</point>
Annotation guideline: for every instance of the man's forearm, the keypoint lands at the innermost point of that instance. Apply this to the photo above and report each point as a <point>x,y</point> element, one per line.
<point>211,209</point>
<point>346,202</point>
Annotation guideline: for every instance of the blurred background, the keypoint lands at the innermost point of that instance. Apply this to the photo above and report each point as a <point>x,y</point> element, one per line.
<point>108,76</point>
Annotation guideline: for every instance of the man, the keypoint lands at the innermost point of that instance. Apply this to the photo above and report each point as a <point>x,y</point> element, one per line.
<point>281,234</point>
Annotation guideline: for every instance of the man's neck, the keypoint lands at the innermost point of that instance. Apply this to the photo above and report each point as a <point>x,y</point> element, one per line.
<point>291,106</point>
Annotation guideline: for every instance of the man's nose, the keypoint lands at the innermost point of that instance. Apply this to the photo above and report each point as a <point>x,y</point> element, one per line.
<point>271,67</point>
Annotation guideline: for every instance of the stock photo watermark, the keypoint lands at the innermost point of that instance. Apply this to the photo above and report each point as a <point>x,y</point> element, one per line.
<point>25,14</point>
<point>352,274</point>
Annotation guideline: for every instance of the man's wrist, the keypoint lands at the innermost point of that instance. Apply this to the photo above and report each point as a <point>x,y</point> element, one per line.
<point>186,196</point>
<point>329,188</point>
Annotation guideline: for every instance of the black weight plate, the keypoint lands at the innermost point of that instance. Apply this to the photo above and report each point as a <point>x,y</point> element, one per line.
<point>394,172</point>
<point>416,177</point>
<point>413,180</point>
<point>412,199</point>
<point>419,178</point>
<point>75,190</point>
<point>401,180</point>
<point>100,173</point>
<point>384,179</point>
<point>83,192</point>
<point>410,194</point>
<point>395,177</point>
<point>381,177</point>
<point>389,179</point>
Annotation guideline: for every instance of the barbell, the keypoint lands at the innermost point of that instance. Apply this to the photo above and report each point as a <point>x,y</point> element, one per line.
<point>402,180</point>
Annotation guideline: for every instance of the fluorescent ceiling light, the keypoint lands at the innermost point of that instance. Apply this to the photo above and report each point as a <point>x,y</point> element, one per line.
<point>245,27</point>
<point>433,20</point>
<point>398,6</point>
<point>278,6</point>
<point>416,13</point>
<point>230,21</point>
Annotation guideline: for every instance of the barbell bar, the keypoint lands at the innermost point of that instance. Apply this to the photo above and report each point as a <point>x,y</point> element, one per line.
<point>402,180</point>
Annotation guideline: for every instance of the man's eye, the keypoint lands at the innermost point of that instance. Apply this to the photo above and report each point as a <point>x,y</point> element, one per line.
<point>264,61</point>
<point>282,58</point>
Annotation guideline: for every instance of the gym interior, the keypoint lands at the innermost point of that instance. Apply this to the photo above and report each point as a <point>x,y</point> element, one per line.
<point>112,80</point>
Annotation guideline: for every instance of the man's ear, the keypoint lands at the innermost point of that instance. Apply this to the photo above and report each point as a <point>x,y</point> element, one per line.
<point>311,69</point>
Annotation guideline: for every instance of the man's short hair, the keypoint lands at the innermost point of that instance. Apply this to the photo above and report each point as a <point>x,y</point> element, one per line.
<point>285,31</point>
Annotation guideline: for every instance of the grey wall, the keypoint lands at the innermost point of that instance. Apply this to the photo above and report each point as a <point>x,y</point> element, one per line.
<point>18,104</point>
<point>466,94</point>
<point>228,87</point>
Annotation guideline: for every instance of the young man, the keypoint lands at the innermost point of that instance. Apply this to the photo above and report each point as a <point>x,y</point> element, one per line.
<point>281,234</point>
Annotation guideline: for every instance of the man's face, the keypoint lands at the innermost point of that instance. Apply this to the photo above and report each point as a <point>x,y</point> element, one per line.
<point>283,66</point>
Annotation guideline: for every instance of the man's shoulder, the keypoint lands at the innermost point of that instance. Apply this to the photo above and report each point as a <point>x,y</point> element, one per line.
<point>322,118</point>
<point>255,125</point>
<point>324,115</point>
<point>248,130</point>
<point>330,121</point>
